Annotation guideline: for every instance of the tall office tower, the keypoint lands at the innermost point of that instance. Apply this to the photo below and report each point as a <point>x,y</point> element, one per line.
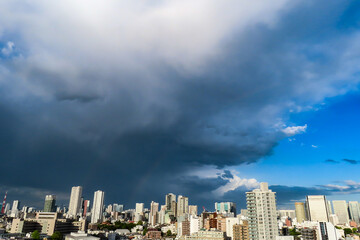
<point>300,212</point>
<point>262,214</point>
<point>7,208</point>
<point>154,209</point>
<point>139,208</point>
<point>98,205</point>
<point>317,208</point>
<point>225,207</point>
<point>169,198</point>
<point>15,208</point>
<point>162,214</point>
<point>354,211</point>
<point>49,205</point>
<point>86,207</point>
<point>341,210</point>
<point>174,208</point>
<point>193,210</point>
<point>75,201</point>
<point>182,205</point>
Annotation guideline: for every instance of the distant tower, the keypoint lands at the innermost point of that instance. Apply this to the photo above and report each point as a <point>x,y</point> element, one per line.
<point>261,206</point>
<point>341,210</point>
<point>3,204</point>
<point>300,212</point>
<point>354,211</point>
<point>154,209</point>
<point>317,208</point>
<point>15,208</point>
<point>182,206</point>
<point>169,198</point>
<point>75,201</point>
<point>98,205</point>
<point>49,205</point>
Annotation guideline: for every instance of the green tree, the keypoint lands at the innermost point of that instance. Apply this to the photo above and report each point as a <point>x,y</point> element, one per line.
<point>140,223</point>
<point>168,233</point>
<point>56,236</point>
<point>145,231</point>
<point>293,232</point>
<point>347,231</point>
<point>35,235</point>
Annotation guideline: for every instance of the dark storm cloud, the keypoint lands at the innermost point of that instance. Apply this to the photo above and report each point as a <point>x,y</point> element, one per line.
<point>331,161</point>
<point>131,109</point>
<point>351,161</point>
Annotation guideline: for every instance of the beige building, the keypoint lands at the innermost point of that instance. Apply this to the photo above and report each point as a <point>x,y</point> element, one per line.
<point>47,223</point>
<point>300,212</point>
<point>317,208</point>
<point>205,235</point>
<point>241,231</point>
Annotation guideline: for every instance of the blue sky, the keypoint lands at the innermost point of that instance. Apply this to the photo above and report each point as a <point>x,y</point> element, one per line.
<point>201,98</point>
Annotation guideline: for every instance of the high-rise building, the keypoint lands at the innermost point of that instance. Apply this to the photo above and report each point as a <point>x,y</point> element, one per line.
<point>75,201</point>
<point>169,198</point>
<point>225,207</point>
<point>354,211</point>
<point>139,207</point>
<point>98,205</point>
<point>261,205</point>
<point>300,212</point>
<point>182,206</point>
<point>154,209</point>
<point>341,210</point>
<point>193,210</point>
<point>317,208</point>
<point>15,208</point>
<point>49,205</point>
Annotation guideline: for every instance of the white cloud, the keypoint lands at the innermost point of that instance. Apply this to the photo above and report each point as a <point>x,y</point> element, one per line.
<point>314,146</point>
<point>291,131</point>
<point>8,49</point>
<point>235,183</point>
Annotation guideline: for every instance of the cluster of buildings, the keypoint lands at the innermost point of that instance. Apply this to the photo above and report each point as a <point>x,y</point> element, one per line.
<point>314,219</point>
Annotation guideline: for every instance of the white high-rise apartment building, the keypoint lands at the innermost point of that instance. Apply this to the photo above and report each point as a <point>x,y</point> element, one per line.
<point>154,209</point>
<point>182,205</point>
<point>341,211</point>
<point>354,211</point>
<point>98,205</point>
<point>261,206</point>
<point>75,201</point>
<point>139,208</point>
<point>317,208</point>
<point>15,208</point>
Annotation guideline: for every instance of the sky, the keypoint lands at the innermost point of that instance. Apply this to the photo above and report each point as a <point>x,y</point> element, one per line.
<point>202,98</point>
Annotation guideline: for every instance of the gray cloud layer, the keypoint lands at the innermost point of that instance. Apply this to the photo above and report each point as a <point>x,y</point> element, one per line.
<point>127,97</point>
